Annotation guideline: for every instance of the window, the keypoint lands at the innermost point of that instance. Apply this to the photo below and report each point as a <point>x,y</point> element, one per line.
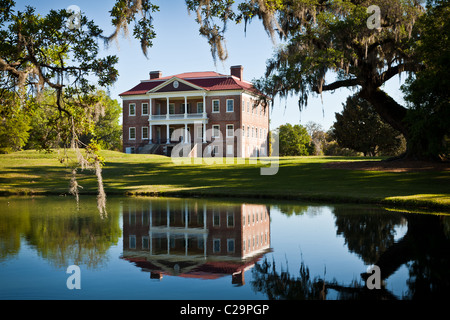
<point>144,109</point>
<point>243,131</point>
<point>145,242</point>
<point>132,243</point>
<point>216,150</point>
<point>200,132</point>
<point>230,245</point>
<point>216,106</point>
<point>230,105</point>
<point>216,131</point>
<point>132,111</point>
<point>132,132</point>
<point>171,108</point>
<point>230,219</point>
<point>248,106</point>
<point>230,148</point>
<point>216,219</point>
<point>199,107</point>
<point>216,245</point>
<point>248,131</point>
<point>230,131</point>
<point>144,133</point>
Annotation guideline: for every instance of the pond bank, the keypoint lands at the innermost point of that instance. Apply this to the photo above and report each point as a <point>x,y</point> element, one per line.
<point>298,178</point>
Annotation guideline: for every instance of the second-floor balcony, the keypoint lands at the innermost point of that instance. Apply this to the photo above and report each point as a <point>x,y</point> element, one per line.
<point>179,116</point>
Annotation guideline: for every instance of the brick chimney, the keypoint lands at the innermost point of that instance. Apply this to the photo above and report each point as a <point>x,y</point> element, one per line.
<point>155,75</point>
<point>237,71</point>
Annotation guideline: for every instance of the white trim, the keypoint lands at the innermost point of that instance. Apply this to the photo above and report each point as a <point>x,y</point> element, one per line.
<point>212,106</point>
<point>129,109</point>
<point>181,94</point>
<point>142,133</point>
<point>226,107</point>
<point>226,129</point>
<point>203,106</point>
<point>171,80</point>
<point>142,109</point>
<point>214,131</point>
<point>129,133</point>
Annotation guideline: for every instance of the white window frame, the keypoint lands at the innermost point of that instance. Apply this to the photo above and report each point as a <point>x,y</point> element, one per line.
<point>214,130</point>
<point>229,241</point>
<point>218,105</point>
<point>129,109</point>
<point>216,250</point>
<point>216,214</point>
<point>215,147</point>
<point>230,215</point>
<point>142,133</point>
<point>142,109</point>
<point>232,131</point>
<point>200,132</point>
<point>232,104</point>
<point>129,133</point>
<point>172,105</point>
<point>132,242</point>
<point>202,106</point>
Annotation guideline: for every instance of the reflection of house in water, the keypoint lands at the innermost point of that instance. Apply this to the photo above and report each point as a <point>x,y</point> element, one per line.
<point>195,239</point>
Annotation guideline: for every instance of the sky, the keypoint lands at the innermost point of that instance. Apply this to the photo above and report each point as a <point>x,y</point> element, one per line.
<point>179,48</point>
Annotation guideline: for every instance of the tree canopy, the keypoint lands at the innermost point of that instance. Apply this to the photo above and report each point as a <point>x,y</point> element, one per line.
<point>326,45</point>
<point>360,128</point>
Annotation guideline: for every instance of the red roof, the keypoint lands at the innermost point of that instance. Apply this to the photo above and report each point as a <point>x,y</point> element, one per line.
<point>210,81</point>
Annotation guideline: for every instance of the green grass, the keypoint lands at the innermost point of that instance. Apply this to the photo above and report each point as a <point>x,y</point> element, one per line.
<point>299,178</point>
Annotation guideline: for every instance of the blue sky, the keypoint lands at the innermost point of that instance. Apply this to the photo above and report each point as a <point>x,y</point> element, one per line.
<point>179,48</point>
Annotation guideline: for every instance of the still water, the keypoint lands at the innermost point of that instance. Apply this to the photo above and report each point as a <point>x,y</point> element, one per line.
<point>196,249</point>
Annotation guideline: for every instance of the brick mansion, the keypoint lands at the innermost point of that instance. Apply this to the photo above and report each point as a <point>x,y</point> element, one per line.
<point>213,114</point>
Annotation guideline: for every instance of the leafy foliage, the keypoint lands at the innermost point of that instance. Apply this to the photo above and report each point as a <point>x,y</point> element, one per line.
<point>293,140</point>
<point>428,91</point>
<point>360,128</point>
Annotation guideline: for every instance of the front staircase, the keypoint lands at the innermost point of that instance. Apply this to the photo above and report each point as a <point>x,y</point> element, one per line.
<point>149,149</point>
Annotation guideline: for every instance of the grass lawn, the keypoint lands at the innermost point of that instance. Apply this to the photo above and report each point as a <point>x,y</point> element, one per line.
<point>301,178</point>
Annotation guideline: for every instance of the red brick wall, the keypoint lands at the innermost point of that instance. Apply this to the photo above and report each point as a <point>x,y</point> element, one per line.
<point>256,118</point>
<point>138,121</point>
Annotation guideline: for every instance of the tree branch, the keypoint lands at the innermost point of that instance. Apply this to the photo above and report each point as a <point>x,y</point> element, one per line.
<point>336,85</point>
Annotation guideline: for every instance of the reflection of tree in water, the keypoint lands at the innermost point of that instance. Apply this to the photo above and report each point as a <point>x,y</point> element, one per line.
<point>59,231</point>
<point>285,286</point>
<point>298,210</point>
<point>424,249</point>
<point>367,231</point>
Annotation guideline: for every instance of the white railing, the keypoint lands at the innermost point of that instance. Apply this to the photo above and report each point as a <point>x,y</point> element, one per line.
<point>178,116</point>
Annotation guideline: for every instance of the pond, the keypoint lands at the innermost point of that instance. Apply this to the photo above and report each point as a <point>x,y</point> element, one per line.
<point>213,249</point>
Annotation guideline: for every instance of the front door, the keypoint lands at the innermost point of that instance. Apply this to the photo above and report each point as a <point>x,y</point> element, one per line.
<point>158,135</point>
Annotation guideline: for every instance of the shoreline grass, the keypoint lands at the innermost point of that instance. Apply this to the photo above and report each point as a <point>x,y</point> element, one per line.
<point>298,178</point>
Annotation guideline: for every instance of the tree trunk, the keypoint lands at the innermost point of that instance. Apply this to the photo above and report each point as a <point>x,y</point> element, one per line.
<point>390,111</point>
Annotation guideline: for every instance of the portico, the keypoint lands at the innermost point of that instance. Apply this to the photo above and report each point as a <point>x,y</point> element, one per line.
<point>172,110</point>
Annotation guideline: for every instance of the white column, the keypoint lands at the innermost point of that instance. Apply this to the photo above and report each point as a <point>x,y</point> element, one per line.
<point>185,107</point>
<point>168,134</point>
<point>185,138</point>
<point>204,131</point>
<point>204,105</point>
<point>168,102</point>
<point>149,122</point>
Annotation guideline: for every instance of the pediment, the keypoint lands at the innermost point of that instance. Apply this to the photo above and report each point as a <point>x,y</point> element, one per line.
<point>174,85</point>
